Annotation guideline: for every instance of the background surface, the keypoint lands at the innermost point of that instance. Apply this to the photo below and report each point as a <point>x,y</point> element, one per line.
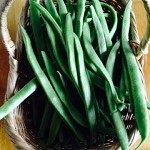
<point>5,143</point>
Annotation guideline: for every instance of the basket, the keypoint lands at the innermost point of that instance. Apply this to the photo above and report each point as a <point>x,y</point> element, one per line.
<point>19,124</point>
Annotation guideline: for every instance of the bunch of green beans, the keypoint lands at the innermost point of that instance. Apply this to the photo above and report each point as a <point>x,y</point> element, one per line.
<point>86,72</point>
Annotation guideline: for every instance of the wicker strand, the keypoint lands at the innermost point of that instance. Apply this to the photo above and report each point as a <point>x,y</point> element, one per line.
<point>10,46</point>
<point>143,48</point>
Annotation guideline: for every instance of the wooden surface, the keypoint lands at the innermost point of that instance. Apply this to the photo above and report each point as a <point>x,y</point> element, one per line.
<point>5,144</point>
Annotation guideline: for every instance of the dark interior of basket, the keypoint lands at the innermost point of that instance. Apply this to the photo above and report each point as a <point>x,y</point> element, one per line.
<point>38,100</point>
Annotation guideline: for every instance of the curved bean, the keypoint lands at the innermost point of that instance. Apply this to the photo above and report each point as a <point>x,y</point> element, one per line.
<point>100,14</point>
<point>62,11</point>
<point>137,88</point>
<point>85,86</point>
<point>54,128</point>
<point>79,17</point>
<point>35,18</point>
<point>100,34</point>
<point>69,41</point>
<point>115,17</point>
<point>52,10</point>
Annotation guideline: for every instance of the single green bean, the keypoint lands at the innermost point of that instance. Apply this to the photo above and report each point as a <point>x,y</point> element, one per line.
<point>100,34</point>
<point>69,41</point>
<point>47,115</point>
<point>115,17</point>
<point>110,63</point>
<point>18,98</point>
<point>79,17</point>
<point>54,128</point>
<point>100,14</point>
<point>85,86</point>
<point>52,10</point>
<point>35,20</point>
<point>127,83</point>
<point>121,130</point>
<point>62,11</point>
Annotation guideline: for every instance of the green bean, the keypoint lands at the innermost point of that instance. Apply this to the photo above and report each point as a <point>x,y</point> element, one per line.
<point>56,51</point>
<point>71,9</point>
<point>100,34</point>
<point>114,14</point>
<point>49,48</point>
<point>121,131</point>
<point>35,21</point>
<point>85,86</point>
<point>111,99</point>
<point>92,56</point>
<point>127,83</point>
<point>110,63</point>
<point>48,89</point>
<point>79,17</point>
<point>56,82</point>
<point>89,20</point>
<point>100,14</point>
<point>62,11</point>
<point>62,8</point>
<point>137,88</point>
<point>69,41</point>
<point>122,92</point>
<point>93,35</point>
<point>118,122</point>
<point>100,82</point>
<point>50,20</point>
<point>18,98</point>
<point>104,115</point>
<point>54,128</point>
<point>87,15</point>
<point>47,115</point>
<point>52,10</point>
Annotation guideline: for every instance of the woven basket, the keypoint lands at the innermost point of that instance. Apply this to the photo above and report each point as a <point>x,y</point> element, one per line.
<point>19,124</point>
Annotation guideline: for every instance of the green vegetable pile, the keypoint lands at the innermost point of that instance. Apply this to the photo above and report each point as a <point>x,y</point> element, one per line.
<point>81,61</point>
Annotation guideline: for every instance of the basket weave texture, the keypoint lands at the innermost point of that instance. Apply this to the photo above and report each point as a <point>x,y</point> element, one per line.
<point>19,123</point>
